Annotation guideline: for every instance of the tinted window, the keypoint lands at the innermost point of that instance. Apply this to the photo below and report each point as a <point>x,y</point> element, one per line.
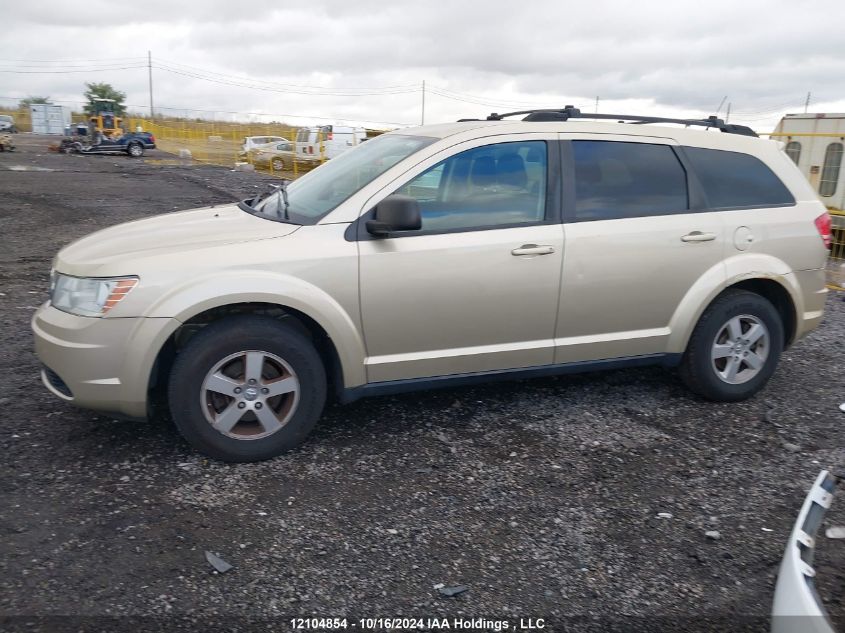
<point>494,185</point>
<point>731,179</point>
<point>627,180</point>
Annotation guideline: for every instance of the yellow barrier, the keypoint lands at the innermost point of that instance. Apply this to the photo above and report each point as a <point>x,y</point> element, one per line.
<point>222,144</point>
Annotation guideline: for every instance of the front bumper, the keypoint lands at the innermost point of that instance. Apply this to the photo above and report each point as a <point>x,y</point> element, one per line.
<point>99,363</point>
<point>797,606</point>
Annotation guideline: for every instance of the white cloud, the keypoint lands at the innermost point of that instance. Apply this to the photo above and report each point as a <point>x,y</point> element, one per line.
<point>676,58</point>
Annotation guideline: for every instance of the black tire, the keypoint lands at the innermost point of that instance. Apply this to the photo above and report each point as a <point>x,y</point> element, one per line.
<point>697,369</point>
<point>277,164</point>
<point>218,341</point>
<point>135,149</point>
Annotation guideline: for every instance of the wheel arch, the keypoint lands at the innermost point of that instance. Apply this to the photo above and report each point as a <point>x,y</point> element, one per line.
<point>307,325</point>
<point>775,288</point>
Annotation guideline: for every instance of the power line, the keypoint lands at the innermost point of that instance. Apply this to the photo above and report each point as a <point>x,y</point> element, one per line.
<point>71,61</point>
<point>195,69</point>
<point>340,92</point>
<point>65,72</point>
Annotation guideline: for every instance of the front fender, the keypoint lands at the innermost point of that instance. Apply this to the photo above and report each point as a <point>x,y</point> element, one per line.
<point>198,295</point>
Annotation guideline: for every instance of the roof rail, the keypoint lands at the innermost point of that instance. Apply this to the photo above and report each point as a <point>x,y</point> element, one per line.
<point>571,112</point>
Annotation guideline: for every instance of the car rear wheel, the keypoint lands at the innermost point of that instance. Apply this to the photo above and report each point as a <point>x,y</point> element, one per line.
<point>734,348</point>
<point>136,150</point>
<point>247,388</point>
<point>278,164</point>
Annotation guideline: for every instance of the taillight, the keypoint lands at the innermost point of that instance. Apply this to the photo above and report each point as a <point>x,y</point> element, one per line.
<point>152,138</point>
<point>329,136</point>
<point>824,227</point>
<point>310,149</point>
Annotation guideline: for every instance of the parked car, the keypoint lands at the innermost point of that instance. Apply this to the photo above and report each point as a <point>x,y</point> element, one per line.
<point>251,142</point>
<point>278,156</point>
<point>132,143</point>
<point>445,255</point>
<point>7,124</point>
<point>797,606</point>
<point>328,141</point>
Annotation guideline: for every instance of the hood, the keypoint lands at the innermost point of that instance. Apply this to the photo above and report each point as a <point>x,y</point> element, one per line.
<point>162,235</point>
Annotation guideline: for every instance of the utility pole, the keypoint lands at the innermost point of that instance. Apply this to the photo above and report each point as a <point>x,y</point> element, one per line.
<point>807,103</point>
<point>597,106</point>
<point>422,119</point>
<point>728,113</point>
<point>721,103</point>
<point>150,74</point>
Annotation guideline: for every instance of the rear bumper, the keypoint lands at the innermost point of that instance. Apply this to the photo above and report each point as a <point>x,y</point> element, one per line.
<point>812,287</point>
<point>797,607</point>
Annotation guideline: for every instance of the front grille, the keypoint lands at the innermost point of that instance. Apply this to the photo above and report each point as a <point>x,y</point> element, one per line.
<point>56,382</point>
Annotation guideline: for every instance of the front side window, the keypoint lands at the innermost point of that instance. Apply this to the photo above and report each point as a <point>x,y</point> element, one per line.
<point>793,150</point>
<point>736,180</point>
<point>616,180</point>
<point>830,170</point>
<point>494,185</point>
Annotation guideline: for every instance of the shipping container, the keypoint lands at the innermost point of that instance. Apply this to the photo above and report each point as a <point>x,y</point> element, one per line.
<point>49,119</point>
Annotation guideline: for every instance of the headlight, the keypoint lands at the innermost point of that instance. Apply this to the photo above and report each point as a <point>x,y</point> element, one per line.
<point>89,296</point>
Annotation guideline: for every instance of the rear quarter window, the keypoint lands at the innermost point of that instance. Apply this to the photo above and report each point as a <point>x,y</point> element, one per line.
<point>734,180</point>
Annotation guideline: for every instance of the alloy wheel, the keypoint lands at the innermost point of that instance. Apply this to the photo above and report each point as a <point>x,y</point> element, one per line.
<point>250,395</point>
<point>740,349</point>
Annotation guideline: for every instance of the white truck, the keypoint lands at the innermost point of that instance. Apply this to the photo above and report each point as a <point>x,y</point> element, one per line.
<point>324,142</point>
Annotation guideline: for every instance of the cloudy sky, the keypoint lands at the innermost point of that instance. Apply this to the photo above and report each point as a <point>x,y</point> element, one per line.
<point>365,61</point>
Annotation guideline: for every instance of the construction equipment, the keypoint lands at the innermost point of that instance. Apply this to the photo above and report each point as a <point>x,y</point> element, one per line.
<point>105,120</point>
<point>7,144</point>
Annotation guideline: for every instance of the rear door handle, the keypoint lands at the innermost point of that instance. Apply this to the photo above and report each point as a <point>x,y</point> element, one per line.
<point>532,249</point>
<point>698,236</point>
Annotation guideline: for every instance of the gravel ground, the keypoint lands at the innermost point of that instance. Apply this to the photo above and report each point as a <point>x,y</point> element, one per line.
<point>582,500</point>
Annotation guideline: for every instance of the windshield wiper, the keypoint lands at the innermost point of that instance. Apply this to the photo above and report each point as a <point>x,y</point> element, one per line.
<point>282,189</point>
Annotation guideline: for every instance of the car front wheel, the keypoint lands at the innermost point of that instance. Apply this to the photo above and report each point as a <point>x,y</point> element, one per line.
<point>734,348</point>
<point>247,388</point>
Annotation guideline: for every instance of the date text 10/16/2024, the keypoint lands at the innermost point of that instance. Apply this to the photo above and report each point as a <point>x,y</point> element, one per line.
<point>474,625</point>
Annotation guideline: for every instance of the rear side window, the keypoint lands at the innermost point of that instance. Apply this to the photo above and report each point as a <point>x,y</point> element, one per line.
<point>735,180</point>
<point>615,180</point>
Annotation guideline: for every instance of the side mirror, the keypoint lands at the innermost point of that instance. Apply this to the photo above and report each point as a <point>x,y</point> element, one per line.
<point>395,213</point>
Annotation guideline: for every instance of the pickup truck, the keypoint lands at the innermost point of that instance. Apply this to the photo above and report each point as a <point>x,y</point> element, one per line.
<point>132,143</point>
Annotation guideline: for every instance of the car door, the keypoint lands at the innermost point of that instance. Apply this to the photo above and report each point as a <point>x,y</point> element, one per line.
<point>476,288</point>
<point>637,241</point>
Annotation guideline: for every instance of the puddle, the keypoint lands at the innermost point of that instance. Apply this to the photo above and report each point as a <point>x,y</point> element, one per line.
<point>28,168</point>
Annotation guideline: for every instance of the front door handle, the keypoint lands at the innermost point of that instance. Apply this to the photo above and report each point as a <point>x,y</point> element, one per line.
<point>698,236</point>
<point>532,249</point>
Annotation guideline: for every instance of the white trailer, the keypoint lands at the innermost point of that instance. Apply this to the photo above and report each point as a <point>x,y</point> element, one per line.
<point>48,118</point>
<point>815,142</point>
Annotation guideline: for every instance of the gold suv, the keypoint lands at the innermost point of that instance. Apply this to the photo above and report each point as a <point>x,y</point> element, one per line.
<point>444,255</point>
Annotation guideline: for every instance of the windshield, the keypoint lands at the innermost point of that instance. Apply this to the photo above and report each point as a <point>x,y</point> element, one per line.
<point>321,190</point>
<point>6,118</point>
